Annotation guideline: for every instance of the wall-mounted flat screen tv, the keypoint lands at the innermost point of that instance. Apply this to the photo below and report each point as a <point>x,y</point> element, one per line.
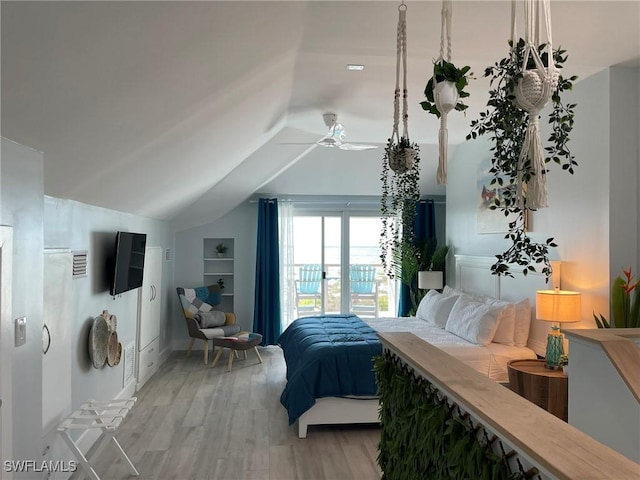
<point>128,264</point>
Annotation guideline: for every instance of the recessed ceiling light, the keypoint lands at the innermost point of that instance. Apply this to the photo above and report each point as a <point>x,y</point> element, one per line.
<point>353,66</point>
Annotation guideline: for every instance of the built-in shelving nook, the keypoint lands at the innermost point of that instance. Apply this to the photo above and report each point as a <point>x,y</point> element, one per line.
<point>219,268</point>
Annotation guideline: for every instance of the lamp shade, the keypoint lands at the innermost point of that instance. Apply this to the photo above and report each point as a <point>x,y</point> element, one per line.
<point>558,306</point>
<point>429,280</point>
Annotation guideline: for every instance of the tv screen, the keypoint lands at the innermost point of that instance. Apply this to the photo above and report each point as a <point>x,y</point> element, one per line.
<point>128,262</point>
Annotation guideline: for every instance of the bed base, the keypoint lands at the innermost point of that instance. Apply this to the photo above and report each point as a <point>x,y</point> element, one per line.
<point>339,410</point>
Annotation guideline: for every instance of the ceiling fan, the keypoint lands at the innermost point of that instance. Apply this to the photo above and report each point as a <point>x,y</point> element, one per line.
<point>336,135</point>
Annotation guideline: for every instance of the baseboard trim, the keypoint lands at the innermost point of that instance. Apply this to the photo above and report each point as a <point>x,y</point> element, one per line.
<point>183,345</point>
<point>164,355</point>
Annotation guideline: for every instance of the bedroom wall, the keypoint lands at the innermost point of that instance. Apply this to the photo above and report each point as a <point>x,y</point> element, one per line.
<point>21,192</point>
<point>580,213</point>
<point>77,226</point>
<point>240,224</point>
<point>624,158</point>
<point>40,222</point>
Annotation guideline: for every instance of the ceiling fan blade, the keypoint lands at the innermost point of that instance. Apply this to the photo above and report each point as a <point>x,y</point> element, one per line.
<point>329,142</point>
<point>356,146</point>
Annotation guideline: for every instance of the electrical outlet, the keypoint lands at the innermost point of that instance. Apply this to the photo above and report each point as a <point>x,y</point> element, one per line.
<point>21,331</point>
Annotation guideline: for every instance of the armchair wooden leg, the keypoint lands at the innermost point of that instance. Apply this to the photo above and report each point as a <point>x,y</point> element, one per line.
<point>190,346</point>
<point>231,355</point>
<point>217,357</point>
<point>206,352</point>
<point>255,349</point>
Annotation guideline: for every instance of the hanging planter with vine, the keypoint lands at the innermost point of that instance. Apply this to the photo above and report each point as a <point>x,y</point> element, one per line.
<point>522,84</point>
<point>444,90</point>
<point>400,168</point>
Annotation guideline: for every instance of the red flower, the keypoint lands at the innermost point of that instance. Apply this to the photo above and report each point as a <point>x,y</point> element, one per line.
<point>628,287</point>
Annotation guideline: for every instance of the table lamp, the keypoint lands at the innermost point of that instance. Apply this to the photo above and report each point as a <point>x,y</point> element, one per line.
<point>558,306</point>
<point>430,280</point>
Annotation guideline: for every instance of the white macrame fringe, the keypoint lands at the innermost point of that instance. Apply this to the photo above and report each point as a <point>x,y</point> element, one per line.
<point>443,140</point>
<point>443,134</point>
<point>532,93</point>
<point>536,193</point>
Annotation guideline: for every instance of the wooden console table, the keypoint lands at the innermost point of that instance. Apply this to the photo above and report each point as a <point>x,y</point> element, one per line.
<point>546,388</point>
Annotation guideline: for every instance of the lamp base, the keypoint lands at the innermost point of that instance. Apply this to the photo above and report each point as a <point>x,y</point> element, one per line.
<point>555,350</point>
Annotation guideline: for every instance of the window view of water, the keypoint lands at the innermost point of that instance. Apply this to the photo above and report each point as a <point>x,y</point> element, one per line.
<point>369,293</point>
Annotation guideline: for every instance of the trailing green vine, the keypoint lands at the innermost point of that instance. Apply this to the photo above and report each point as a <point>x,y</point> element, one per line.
<point>423,436</point>
<point>400,192</point>
<point>506,124</point>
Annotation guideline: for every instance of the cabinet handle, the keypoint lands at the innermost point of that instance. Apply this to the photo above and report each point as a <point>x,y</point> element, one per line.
<point>45,328</point>
<point>150,365</point>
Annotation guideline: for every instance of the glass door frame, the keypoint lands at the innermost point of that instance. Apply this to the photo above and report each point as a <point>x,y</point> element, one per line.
<point>345,247</point>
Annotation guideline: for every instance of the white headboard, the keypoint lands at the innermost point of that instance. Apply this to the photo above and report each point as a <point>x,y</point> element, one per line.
<point>473,275</point>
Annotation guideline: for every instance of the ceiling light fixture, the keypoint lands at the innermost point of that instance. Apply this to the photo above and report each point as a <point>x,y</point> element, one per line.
<point>355,67</point>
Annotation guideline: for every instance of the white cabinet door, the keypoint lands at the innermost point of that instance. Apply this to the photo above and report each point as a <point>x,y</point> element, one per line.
<point>56,358</point>
<point>149,298</point>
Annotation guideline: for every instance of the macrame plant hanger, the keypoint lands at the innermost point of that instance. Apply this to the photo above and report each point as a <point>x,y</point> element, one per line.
<point>532,92</point>
<point>445,94</point>
<point>402,159</point>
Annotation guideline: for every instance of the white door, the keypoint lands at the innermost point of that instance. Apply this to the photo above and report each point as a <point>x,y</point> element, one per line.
<point>56,348</point>
<point>150,294</point>
<point>6,345</point>
<point>56,353</point>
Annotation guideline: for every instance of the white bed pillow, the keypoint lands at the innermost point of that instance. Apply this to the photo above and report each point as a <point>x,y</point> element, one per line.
<point>522,323</point>
<point>434,308</point>
<point>505,333</point>
<point>474,321</point>
<point>448,291</point>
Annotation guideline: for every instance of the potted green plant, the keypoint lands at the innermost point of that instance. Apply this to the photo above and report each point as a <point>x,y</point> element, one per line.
<point>408,260</point>
<point>400,192</point>
<point>625,303</point>
<point>564,362</point>
<point>401,155</point>
<point>221,284</point>
<point>221,249</point>
<point>506,124</point>
<point>446,88</point>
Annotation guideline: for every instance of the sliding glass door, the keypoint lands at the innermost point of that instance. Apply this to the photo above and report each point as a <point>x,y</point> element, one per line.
<point>316,254</point>
<point>337,266</point>
<point>368,286</point>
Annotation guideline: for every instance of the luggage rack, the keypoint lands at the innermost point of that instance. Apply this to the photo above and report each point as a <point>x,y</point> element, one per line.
<point>106,415</point>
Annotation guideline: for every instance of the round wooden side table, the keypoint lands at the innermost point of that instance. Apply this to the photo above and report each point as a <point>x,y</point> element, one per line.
<point>546,388</point>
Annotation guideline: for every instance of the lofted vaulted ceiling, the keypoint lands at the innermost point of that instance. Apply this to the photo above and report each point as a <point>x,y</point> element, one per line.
<point>182,110</point>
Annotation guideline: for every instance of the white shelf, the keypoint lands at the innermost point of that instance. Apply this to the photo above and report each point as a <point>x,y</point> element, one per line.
<point>212,262</point>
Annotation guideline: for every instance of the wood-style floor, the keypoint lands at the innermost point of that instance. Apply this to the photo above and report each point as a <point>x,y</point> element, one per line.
<point>196,422</point>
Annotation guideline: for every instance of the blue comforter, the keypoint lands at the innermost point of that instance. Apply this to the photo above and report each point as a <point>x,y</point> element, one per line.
<point>327,356</point>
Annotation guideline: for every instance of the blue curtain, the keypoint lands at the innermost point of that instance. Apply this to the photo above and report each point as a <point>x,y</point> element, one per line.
<point>266,307</point>
<point>424,228</point>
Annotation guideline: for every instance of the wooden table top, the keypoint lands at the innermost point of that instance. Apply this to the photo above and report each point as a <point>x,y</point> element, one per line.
<point>535,367</point>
